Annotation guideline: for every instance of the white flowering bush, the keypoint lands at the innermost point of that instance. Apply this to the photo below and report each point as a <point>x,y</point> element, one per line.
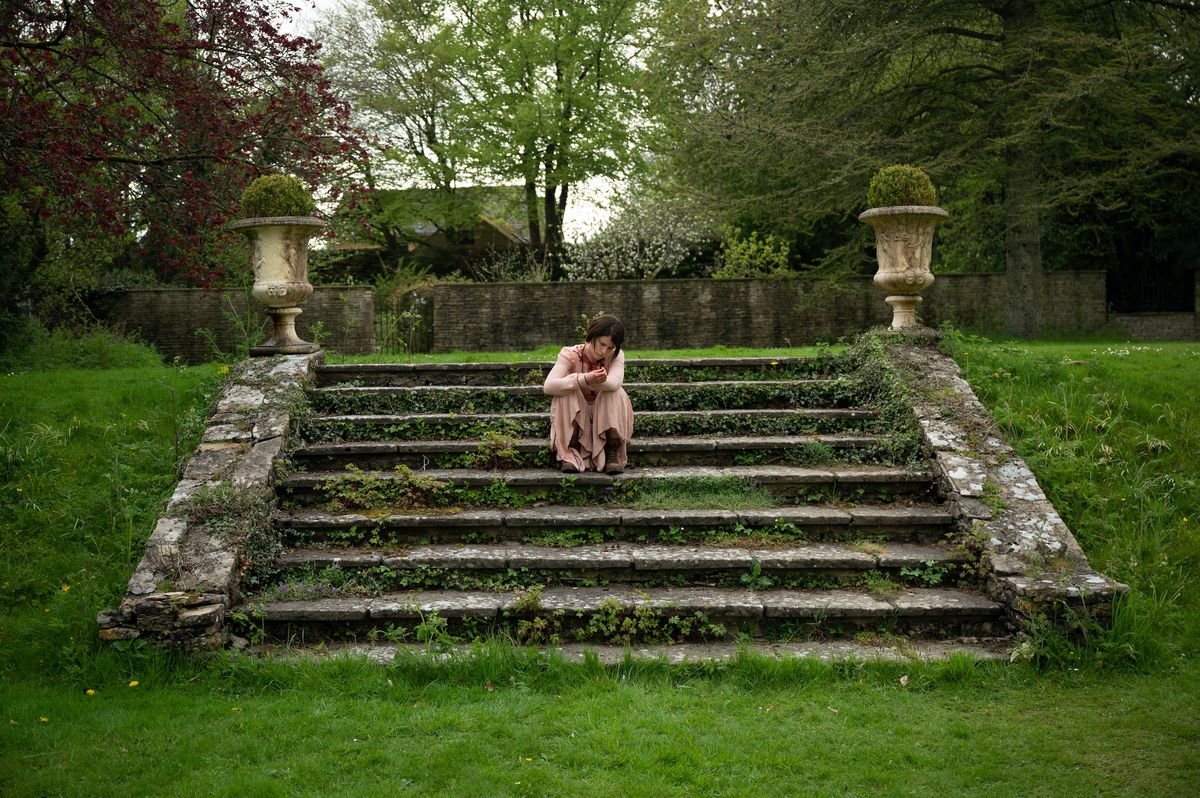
<point>640,243</point>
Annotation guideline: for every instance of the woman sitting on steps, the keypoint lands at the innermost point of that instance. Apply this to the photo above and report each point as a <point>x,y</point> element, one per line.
<point>591,418</point>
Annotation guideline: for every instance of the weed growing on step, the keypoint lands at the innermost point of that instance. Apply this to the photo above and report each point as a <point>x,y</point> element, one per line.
<point>929,574</point>
<point>755,579</point>
<point>568,538</point>
<point>696,493</point>
<point>879,584</point>
<point>614,624</point>
<point>358,489</point>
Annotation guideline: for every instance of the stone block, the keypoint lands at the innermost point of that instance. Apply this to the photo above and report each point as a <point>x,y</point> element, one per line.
<point>820,604</point>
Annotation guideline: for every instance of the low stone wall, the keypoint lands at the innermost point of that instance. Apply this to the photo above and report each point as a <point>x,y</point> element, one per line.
<point>182,591</point>
<point>172,319</point>
<point>666,314</point>
<point>1157,326</point>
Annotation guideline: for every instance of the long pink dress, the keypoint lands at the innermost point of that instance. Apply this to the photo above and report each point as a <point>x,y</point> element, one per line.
<point>582,415</point>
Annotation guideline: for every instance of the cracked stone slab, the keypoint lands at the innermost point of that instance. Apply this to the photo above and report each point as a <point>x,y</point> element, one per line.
<point>253,472</point>
<point>320,519</point>
<point>689,558</point>
<point>271,424</point>
<point>326,609</point>
<point>681,518</point>
<point>561,516</point>
<point>227,433</point>
<point>715,602</point>
<point>799,516</point>
<point>583,558</point>
<point>1076,585</point>
<point>967,475</point>
<point>900,516</point>
<point>1018,482</point>
<point>690,444</point>
<point>447,603</point>
<point>321,558</point>
<point>943,602</point>
<point>912,555</point>
<point>493,557</point>
<point>238,398</point>
<point>880,474</point>
<point>468,518</point>
<point>812,556</point>
<point>819,604</point>
<point>577,599</point>
<point>944,436</point>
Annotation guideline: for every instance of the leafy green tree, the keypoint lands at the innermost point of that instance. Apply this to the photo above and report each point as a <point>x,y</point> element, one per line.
<point>1079,114</point>
<point>543,93</point>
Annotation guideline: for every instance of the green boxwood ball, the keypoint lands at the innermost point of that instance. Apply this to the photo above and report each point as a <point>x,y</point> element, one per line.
<point>277,195</point>
<point>901,184</point>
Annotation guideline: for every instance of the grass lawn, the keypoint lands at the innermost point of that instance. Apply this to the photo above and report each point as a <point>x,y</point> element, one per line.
<point>87,458</point>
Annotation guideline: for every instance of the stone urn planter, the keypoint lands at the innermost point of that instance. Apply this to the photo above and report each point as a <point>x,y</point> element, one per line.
<point>280,256</point>
<point>903,237</point>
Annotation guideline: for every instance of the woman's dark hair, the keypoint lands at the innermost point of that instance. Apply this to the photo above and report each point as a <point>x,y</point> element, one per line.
<point>607,325</point>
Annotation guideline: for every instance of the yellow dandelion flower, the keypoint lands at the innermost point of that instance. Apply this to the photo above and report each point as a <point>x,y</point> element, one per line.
<point>91,692</point>
<point>66,588</point>
<point>134,683</point>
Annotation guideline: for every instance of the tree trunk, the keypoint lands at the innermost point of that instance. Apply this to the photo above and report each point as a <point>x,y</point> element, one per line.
<point>1022,229</point>
<point>1023,248</point>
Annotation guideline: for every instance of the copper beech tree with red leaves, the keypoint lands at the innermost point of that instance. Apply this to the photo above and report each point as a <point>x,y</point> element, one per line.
<point>137,123</point>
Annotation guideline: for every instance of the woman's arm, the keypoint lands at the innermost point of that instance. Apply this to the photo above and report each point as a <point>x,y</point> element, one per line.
<point>562,379</point>
<point>616,374</point>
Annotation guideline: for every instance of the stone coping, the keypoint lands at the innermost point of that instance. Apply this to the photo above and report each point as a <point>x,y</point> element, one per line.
<point>1034,564</point>
<point>187,581</point>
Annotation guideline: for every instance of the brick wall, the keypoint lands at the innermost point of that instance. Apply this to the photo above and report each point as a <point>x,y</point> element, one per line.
<point>661,314</point>
<point>1156,326</point>
<point>171,319</point>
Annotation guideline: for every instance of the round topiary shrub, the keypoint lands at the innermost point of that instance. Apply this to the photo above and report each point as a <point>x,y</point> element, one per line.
<point>277,195</point>
<point>900,184</point>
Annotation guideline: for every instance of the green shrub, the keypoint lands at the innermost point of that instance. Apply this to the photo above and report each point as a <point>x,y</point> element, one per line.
<point>28,346</point>
<point>752,256</point>
<point>901,184</point>
<point>277,195</point>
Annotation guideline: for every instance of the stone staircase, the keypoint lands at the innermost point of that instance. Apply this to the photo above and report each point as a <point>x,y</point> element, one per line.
<point>775,501</point>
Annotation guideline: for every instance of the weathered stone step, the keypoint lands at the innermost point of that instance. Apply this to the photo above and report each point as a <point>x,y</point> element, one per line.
<point>534,452</point>
<point>444,487</point>
<point>512,564</point>
<point>884,648</point>
<point>567,526</point>
<point>721,395</point>
<point>528,373</point>
<point>617,613</point>
<point>750,421</point>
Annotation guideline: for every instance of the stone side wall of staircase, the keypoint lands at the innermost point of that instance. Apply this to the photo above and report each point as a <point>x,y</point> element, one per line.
<point>188,580</point>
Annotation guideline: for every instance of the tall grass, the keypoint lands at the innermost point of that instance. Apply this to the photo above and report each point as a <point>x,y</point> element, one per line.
<point>86,461</point>
<point>1112,432</point>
